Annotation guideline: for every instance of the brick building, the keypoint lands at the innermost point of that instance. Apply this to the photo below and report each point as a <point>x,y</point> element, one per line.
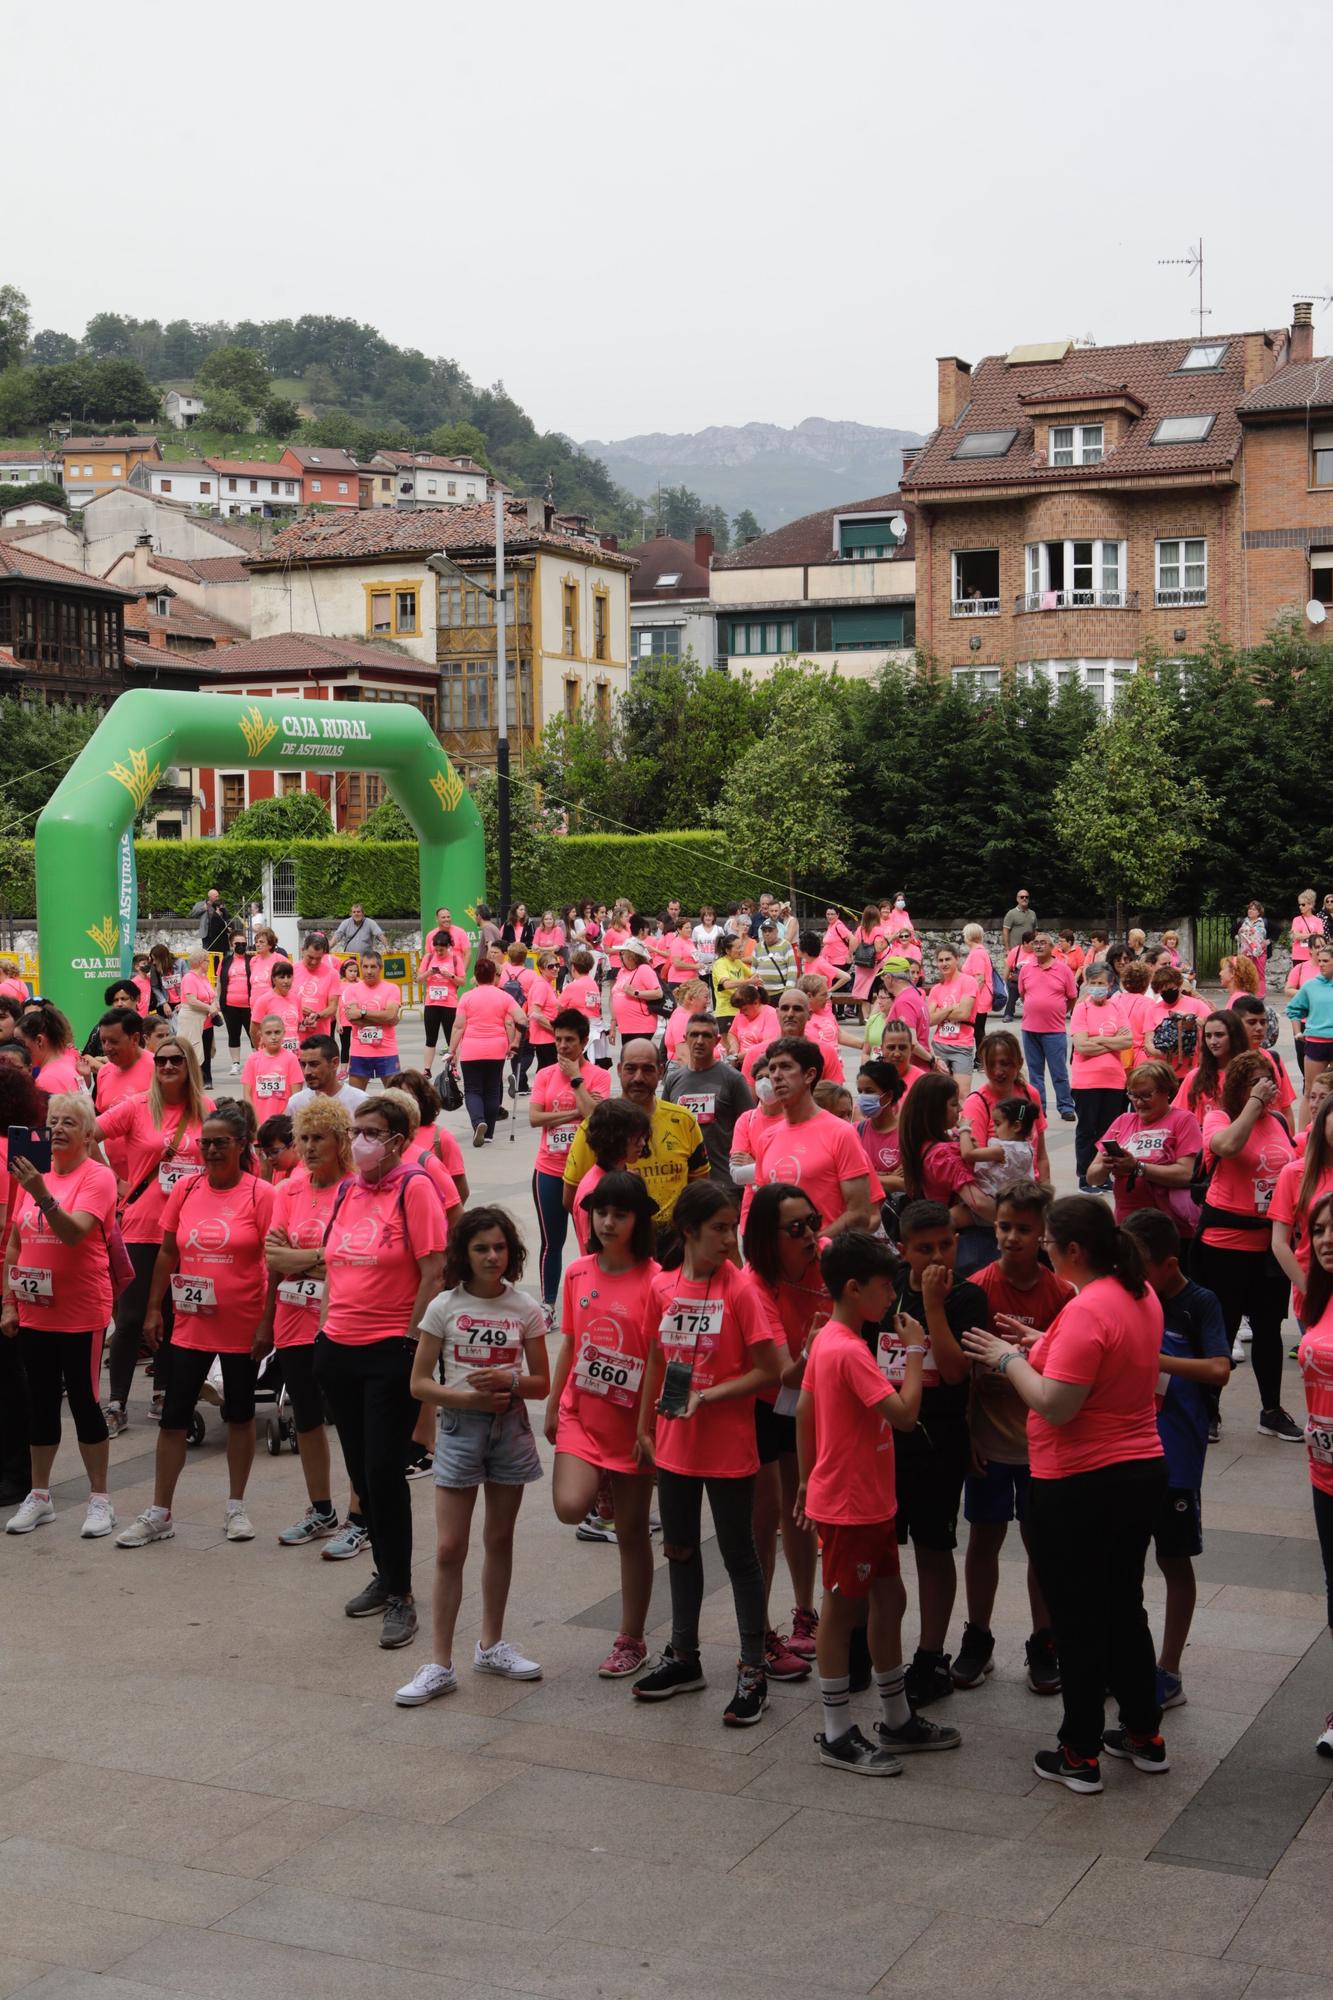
<point>1287,490</point>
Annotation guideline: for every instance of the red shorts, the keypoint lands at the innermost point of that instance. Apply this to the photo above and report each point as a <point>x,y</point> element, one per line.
<point>855,1554</point>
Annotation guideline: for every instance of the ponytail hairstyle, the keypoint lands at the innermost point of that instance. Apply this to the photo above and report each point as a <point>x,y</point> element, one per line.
<point>1208,1076</point>
<point>922,1122</point>
<point>1109,1252</point>
<point>239,1116</point>
<point>1020,1111</point>
<point>1319,1285</point>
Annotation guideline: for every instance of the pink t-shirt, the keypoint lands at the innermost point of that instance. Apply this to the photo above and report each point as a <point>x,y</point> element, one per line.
<point>752,1037</point>
<point>584,993</point>
<point>373,1038</point>
<point>1182,1099</point>
<point>261,976</point>
<point>223,1279</point>
<point>1244,1182</point>
<point>548,940</point>
<point>837,943</point>
<point>483,1011</point>
<point>792,1311</point>
<point>978,968</point>
<point>1286,1207</point>
<point>289,1014</point>
<point>1045,991</point>
<point>883,1150</point>
<point>373,1253</point>
<point>541,995</point>
<point>438,974</point>
<point>710,1324</point>
<point>440,1142</point>
<point>1161,1142</point>
<point>603,1314</point>
<point>633,984</point>
<point>944,1171</point>
<point>59,1075</point>
<point>682,960</point>
<point>553,1091</point>
<point>1112,1340</point>
<point>1100,1017</point>
<point>955,992</point>
<point>979,1110</point>
<point>238,983</point>
<point>816,1156</point>
<point>852,1479</point>
<point>272,1081</point>
<point>1315,1355</point>
<point>66,1287</point>
<point>112,1086</point>
<point>910,1007</point>
<point>303,1210</point>
<point>1304,930</point>
<point>316,996</point>
<point>582,1220</point>
<point>1153,1010</point>
<point>194,986</point>
<point>676,1026</point>
<point>131,1123</point>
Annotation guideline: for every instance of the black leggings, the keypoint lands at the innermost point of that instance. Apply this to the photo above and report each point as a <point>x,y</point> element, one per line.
<point>237,1018</point>
<point>1096,1111</point>
<point>731,1502</point>
<point>979,1030</point>
<point>1250,1284</point>
<point>63,1362</point>
<point>1323,1521</point>
<point>185,1373</point>
<point>368,1390</point>
<point>483,1092</point>
<point>296,1365</point>
<point>127,1331</point>
<point>439,1022</point>
<point>345,1044</point>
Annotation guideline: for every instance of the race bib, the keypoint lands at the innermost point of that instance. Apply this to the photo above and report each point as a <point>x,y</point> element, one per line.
<point>290,1043</point>
<point>1263,1194</point>
<point>487,1344</point>
<point>172,1171</point>
<point>1319,1441</point>
<point>701,1103</point>
<point>602,1371</point>
<point>192,1295</point>
<point>368,1035</point>
<point>892,1357</point>
<point>270,1086</point>
<point>307,1292</point>
<point>691,1323</point>
<point>1163,1384</point>
<point>785,1402</point>
<point>29,1284</point>
<point>438,996</point>
<point>559,1138</point>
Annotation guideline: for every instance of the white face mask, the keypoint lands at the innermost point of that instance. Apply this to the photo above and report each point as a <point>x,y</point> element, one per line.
<point>763,1090</point>
<point>1097,994</point>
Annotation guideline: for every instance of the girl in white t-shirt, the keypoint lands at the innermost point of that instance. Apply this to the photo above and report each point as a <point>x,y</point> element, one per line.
<point>1009,1155</point>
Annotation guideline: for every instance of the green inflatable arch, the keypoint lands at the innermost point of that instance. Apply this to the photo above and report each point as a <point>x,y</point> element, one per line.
<point>87,902</point>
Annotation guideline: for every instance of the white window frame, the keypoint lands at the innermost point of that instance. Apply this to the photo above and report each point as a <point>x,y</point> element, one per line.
<point>1217,349</point>
<point>1169,553</point>
<point>1205,417</point>
<point>978,681</point>
<point>1109,588</point>
<point>971,607</point>
<point>1105,678</point>
<point>1087,444</point>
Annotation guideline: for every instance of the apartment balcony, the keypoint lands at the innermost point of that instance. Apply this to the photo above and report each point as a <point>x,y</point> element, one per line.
<point>1166,599</point>
<point>976,607</point>
<point>1077,600</point>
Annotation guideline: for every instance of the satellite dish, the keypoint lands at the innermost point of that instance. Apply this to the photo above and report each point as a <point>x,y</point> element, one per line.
<point>1316,612</point>
<point>898,523</point>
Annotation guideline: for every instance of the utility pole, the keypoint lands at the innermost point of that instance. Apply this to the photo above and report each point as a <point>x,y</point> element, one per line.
<point>502,697</point>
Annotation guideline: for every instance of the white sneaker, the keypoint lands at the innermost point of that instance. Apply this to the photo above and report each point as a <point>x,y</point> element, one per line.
<point>99,1520</point>
<point>145,1529</point>
<point>1246,1332</point>
<point>239,1528</point>
<point>236,1069</point>
<point>1237,1350</point>
<point>1324,1743</point>
<point>427,1684</point>
<point>502,1658</point>
<point>32,1513</point>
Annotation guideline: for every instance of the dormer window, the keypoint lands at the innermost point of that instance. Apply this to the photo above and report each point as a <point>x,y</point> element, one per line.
<point>1203,355</point>
<point>867,538</point>
<point>1184,430</point>
<point>985,444</point>
<point>1077,444</point>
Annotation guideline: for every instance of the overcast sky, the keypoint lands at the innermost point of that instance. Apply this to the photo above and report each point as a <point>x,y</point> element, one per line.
<point>656,218</point>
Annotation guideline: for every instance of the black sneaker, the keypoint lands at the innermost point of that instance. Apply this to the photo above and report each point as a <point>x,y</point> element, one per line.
<point>1277,1424</point>
<point>400,1624</point>
<point>928,1678</point>
<point>973,1660</point>
<point>1214,1429</point>
<point>1043,1663</point>
<point>852,1753</point>
<point>1079,1774</point>
<point>750,1699</point>
<point>858,1661</point>
<point>918,1734</point>
<point>1145,1753</point>
<point>668,1675</point>
<point>371,1601</point>
<point>419,1464</point>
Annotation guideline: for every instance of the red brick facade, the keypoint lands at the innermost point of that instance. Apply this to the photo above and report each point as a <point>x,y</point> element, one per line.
<point>1285,517</point>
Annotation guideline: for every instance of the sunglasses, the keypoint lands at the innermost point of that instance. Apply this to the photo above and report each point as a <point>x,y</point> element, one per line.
<point>808,1226</point>
<point>168,1062</point>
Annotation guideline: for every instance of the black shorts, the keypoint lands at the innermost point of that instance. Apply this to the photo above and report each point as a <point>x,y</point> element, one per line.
<point>186,1369</point>
<point>929,1477</point>
<point>1178,1527</point>
<point>296,1365</point>
<point>773,1434</point>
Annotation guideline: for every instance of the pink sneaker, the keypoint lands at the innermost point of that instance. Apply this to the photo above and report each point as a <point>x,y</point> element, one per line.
<point>804,1626</point>
<point>780,1663</point>
<point>625,1657</point>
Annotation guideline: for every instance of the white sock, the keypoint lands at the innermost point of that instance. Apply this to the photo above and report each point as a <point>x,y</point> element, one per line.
<point>40,1493</point>
<point>156,1513</point>
<point>235,1507</point>
<point>836,1697</point>
<point>891,1689</point>
<point>99,1499</point>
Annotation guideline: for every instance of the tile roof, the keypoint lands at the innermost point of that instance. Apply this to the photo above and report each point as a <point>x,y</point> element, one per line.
<point>664,555</point>
<point>317,457</point>
<point>26,457</point>
<point>1148,370</point>
<point>238,529</point>
<point>253,468</point>
<point>1300,385</point>
<point>202,569</point>
<point>15,531</point>
<point>308,653</point>
<point>16,561</point>
<point>187,622</point>
<point>140,442</point>
<point>429,461</point>
<point>169,466</point>
<point>811,539</point>
<point>364,534</point>
<point>164,660</point>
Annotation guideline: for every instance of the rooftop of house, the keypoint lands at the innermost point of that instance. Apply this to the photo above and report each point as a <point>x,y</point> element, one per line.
<point>430,461</point>
<point>28,457</point>
<point>182,619</point>
<point>169,664</point>
<point>1301,385</point>
<point>308,653</point>
<point>668,568</point>
<point>365,535</point>
<point>170,466</point>
<point>21,564</point>
<point>320,457</point>
<point>202,569</point>
<point>251,468</point>
<point>812,539</point>
<point>138,442</point>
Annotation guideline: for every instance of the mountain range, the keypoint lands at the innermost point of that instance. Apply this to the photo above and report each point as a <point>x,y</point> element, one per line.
<point>779,474</point>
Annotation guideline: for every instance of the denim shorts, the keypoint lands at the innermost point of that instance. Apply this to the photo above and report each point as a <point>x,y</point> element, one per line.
<point>472,1448</point>
<point>1000,1493</point>
<point>367,1066</point>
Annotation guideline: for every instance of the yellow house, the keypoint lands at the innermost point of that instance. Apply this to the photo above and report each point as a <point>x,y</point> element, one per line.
<point>90,465</point>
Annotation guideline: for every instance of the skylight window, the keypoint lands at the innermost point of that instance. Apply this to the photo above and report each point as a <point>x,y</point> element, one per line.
<point>668,580</point>
<point>1184,430</point>
<point>985,444</point>
<point>1203,355</point>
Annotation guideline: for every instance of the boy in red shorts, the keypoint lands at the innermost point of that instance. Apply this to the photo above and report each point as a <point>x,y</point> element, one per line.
<point>845,1421</point>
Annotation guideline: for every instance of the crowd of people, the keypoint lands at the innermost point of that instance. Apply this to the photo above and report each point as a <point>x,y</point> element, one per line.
<point>843,1314</point>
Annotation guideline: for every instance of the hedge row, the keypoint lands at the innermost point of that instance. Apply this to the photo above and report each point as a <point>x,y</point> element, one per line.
<point>332,874</point>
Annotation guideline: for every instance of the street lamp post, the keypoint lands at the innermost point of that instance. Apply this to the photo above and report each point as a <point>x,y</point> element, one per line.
<point>502,698</point>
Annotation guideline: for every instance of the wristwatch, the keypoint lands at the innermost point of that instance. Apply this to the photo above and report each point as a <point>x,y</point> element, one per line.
<point>1004,1360</point>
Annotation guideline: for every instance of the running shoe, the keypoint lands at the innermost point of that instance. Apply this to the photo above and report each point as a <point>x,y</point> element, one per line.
<point>1043,1663</point>
<point>505,1660</point>
<point>918,1734</point>
<point>669,1675</point>
<point>1170,1690</point>
<point>804,1627</point>
<point>419,1465</point>
<point>548,1314</point>
<point>1214,1429</point>
<point>1277,1424</point>
<point>240,1528</point>
<point>750,1699</point>
<point>625,1657</point>
<point>1145,1753</point>
<point>144,1529</point>
<point>99,1520</point>
<point>400,1624</point>
<point>592,1528</point>
<point>155,1407</point>
<point>370,1602</point>
<point>1237,1351</point>
<point>117,1423</point>
<point>312,1527</point>
<point>1078,1774</point>
<point>852,1753</point>
<point>478,1135</point>
<point>428,1683</point>
<point>974,1658</point>
<point>354,1537</point>
<point>1324,1743</point>
<point>928,1678</point>
<point>780,1663</point>
<point>236,1069</point>
<point>32,1513</point>
<point>1245,1331</point>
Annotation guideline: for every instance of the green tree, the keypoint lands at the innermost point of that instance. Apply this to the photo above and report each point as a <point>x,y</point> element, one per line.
<point>15,323</point>
<point>107,337</point>
<point>386,821</point>
<point>296,816</point>
<point>37,746</point>
<point>459,440</point>
<point>116,389</point>
<point>1126,809</point>
<point>744,528</point>
<point>279,418</point>
<point>226,412</point>
<point>237,370</point>
<point>48,346</point>
<point>183,349</point>
<point>782,810</point>
<point>18,402</point>
<point>44,490</point>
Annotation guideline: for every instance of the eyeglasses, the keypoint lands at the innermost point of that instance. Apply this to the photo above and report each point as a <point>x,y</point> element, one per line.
<point>807,1226</point>
<point>218,1144</point>
<point>168,1062</point>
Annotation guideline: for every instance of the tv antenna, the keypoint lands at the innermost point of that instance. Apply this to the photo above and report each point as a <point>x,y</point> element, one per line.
<point>1193,263</point>
<point>1313,298</point>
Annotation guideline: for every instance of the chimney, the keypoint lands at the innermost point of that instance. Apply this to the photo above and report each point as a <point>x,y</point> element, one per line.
<point>1301,345</point>
<point>703,548</point>
<point>536,512</point>
<point>955,386</point>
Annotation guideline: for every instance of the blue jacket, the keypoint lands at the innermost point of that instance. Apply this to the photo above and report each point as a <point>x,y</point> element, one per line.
<point>1313,1005</point>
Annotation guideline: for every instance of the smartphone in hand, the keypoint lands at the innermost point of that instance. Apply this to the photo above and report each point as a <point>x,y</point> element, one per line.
<point>675,1389</point>
<point>27,1143</point>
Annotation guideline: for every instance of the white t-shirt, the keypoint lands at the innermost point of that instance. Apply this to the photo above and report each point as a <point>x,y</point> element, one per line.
<point>347,1095</point>
<point>705,940</point>
<point>481,1333</point>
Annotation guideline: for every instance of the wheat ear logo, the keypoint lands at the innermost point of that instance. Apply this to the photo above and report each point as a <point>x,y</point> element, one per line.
<point>106,935</point>
<point>448,789</point>
<point>137,779</point>
<point>258,734</point>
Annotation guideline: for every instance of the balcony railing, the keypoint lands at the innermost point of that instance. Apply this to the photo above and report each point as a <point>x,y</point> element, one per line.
<point>976,607</point>
<point>1170,597</point>
<point>1077,600</point>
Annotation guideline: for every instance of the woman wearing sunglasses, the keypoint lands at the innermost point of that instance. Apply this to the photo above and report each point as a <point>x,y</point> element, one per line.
<point>159,1134</point>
